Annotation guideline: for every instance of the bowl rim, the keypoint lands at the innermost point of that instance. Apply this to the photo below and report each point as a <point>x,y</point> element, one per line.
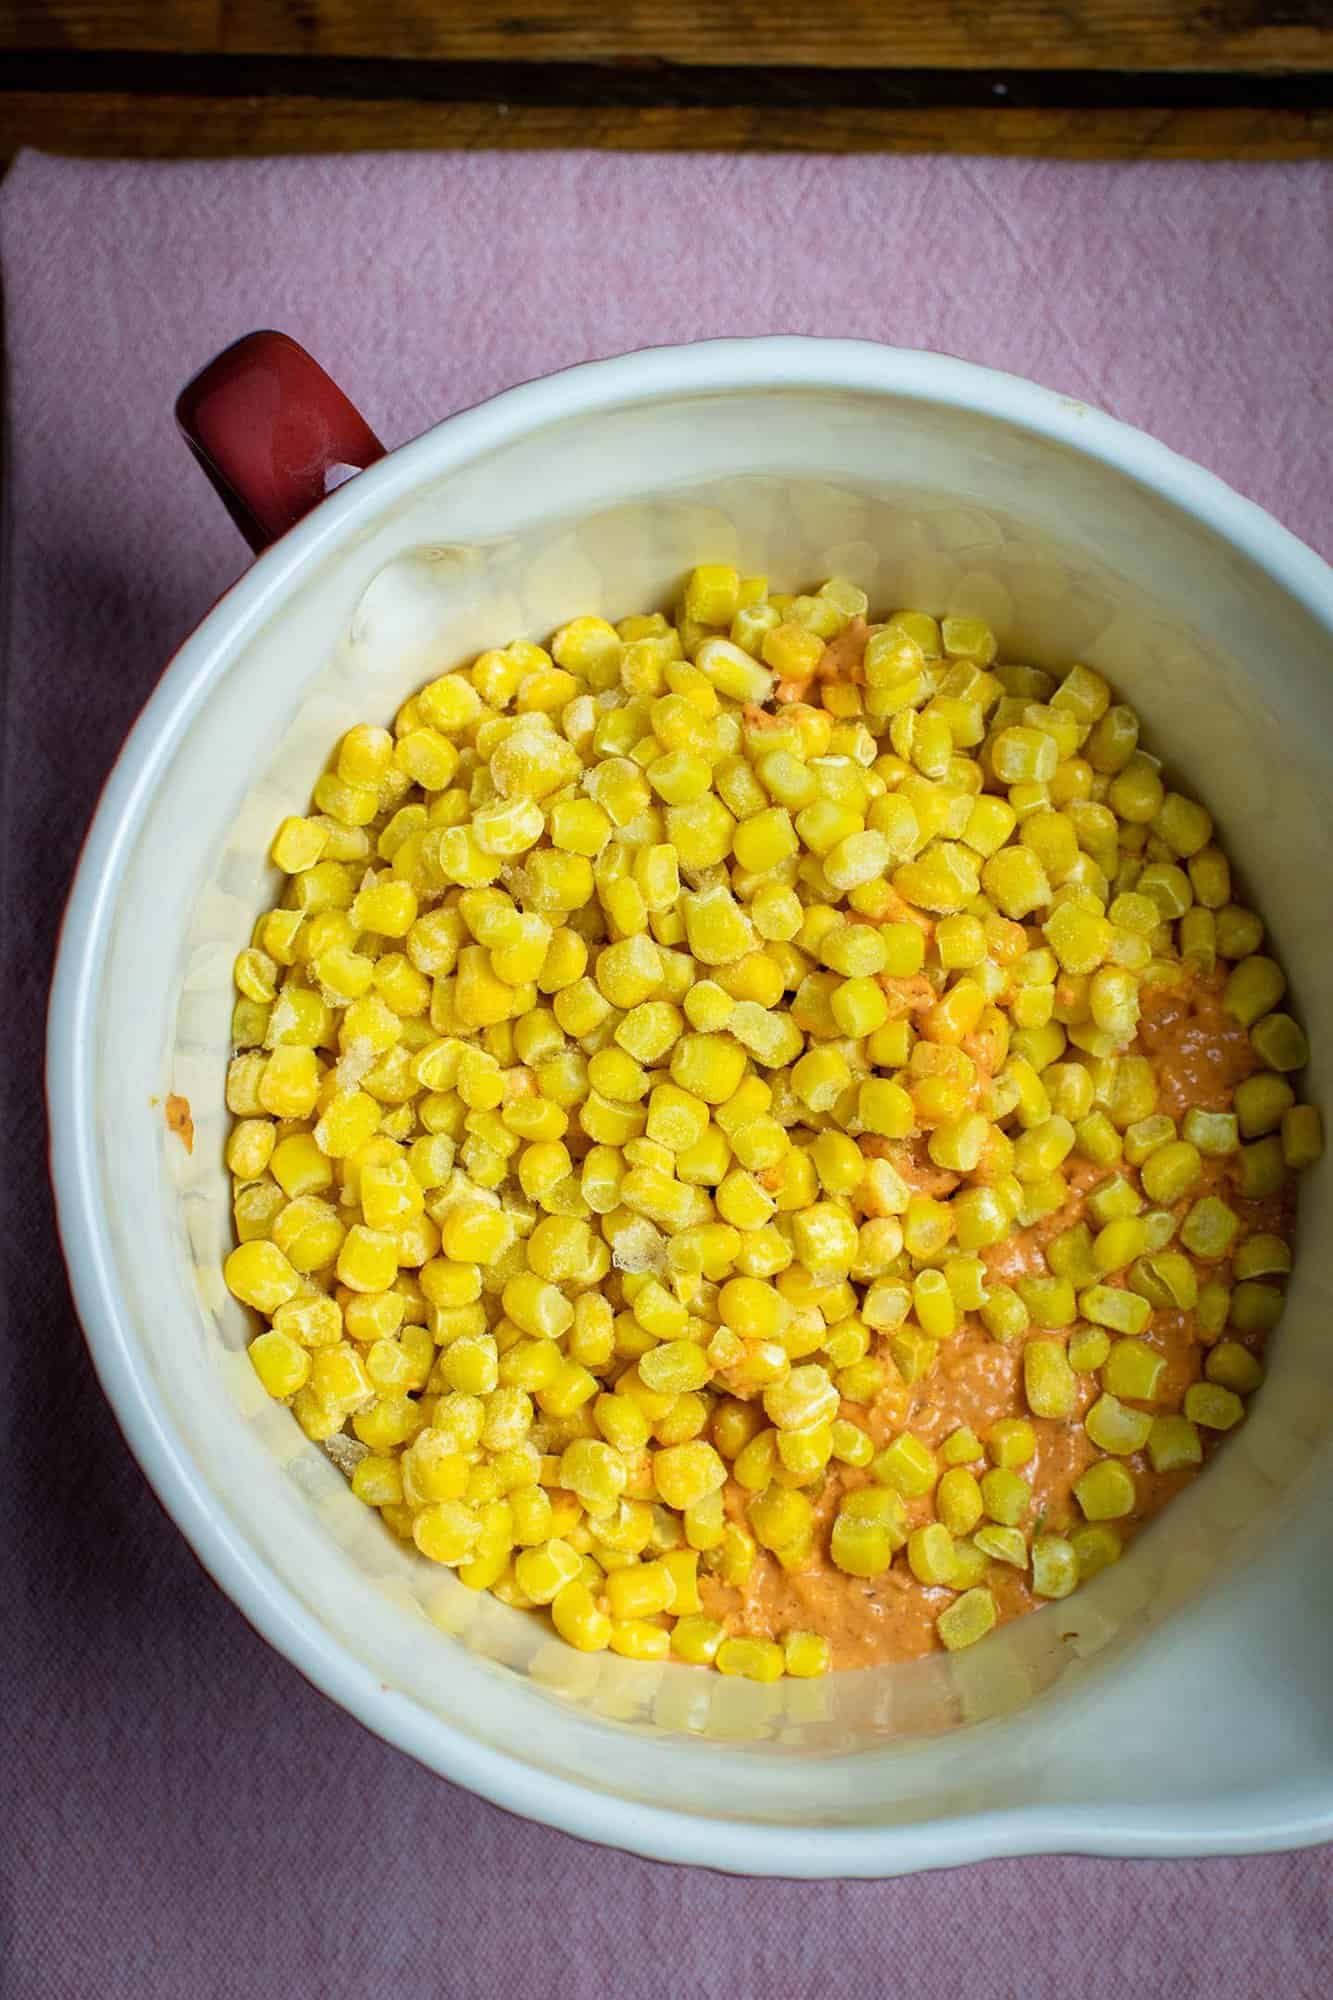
<point>646,375</point>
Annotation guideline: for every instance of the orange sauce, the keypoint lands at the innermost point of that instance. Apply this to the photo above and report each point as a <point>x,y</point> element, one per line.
<point>843,659</point>
<point>180,1121</point>
<point>1198,1054</point>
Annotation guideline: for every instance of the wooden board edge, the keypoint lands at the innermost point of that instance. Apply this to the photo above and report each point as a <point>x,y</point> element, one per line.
<point>102,125</point>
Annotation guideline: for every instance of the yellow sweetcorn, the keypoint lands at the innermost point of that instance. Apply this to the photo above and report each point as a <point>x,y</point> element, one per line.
<point>578,1618</point>
<point>1095,1548</point>
<point>315,1321</point>
<point>250,1148</point>
<point>261,1276</point>
<point>1133,1370</point>
<point>1234,1367</point>
<point>1262,1171</point>
<point>309,1233</point>
<point>685,1474</point>
<point>971,1564</point>
<point>446,1531</point>
<point>1213,1405</point>
<point>958,1500</point>
<point>753,1659</point>
<point>804,1396</point>
<point>969,1618</point>
<point>1261,1256</point>
<point>1209,1228</point>
<point>781,1517</point>
<point>1006,1545</point>
<point>1113,1427</point>
<point>1054,1567</point>
<point>806,1655</point>
<point>961,1447</point>
<point>1171,1172</point>
<point>281,1363</point>
<point>1280,1042</point>
<point>1173,1442</point>
<point>930,1554</point>
<point>1115,1307</point>
<point>1048,1379</point>
<point>1005,1496</point>
<point>1051,1303</point>
<point>907,1465</point>
<point>1105,1491</point>
<point>649,1053</point>
<point>1010,1442</point>
<point>640,1590</point>
<point>870,1526</point>
<point>696,1639</point>
<point>1087,1349</point>
<point>1254,987</point>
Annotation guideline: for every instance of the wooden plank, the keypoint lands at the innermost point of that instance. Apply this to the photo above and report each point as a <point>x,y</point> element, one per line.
<point>894,34</point>
<point>124,125</point>
<point>682,86</point>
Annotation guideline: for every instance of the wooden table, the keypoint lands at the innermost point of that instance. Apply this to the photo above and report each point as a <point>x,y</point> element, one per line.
<point>1124,79</point>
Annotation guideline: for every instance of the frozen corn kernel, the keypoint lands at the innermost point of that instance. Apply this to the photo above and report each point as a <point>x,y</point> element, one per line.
<point>1048,1379</point>
<point>930,1553</point>
<point>685,1474</point>
<point>907,1465</point>
<point>1088,1348</point>
<point>446,1531</point>
<point>1006,1545</point>
<point>696,1639</point>
<point>851,1445</point>
<point>640,1590</point>
<point>1110,1306</point>
<point>1214,1406</point>
<point>1234,1367</point>
<point>1280,1042</point>
<point>261,1276</point>
<point>958,1500</point>
<point>806,1655</point>
<point>1113,1427</point>
<point>969,1618</point>
<point>1134,1370</point>
<point>1054,1567</point>
<point>1171,1173</point>
<point>961,1447</point>
<point>1095,1548</point>
<point>1173,1442</point>
<point>752,1659</point>
<point>281,1363</point>
<point>1209,1228</point>
<point>869,1527</point>
<point>1254,987</point>
<point>1005,1496</point>
<point>1105,1491</point>
<point>1011,1441</point>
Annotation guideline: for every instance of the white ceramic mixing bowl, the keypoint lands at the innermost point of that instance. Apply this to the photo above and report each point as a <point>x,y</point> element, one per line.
<point>1180,1704</point>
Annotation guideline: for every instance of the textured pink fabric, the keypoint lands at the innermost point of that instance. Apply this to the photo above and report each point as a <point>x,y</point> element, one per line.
<point>185,1817</point>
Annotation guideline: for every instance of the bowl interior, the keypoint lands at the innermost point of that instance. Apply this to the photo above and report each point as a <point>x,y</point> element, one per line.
<point>923,504</point>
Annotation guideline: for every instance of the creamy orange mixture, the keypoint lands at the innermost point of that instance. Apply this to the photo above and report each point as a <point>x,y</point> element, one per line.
<point>180,1120</point>
<point>1199,1054</point>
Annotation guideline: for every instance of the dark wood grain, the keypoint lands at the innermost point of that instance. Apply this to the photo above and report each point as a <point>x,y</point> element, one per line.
<point>121,124</point>
<point>1246,35</point>
<point>770,89</point>
<point>1242,79</point>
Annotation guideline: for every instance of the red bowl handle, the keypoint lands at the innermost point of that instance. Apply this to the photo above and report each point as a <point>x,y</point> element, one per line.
<point>273,432</point>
